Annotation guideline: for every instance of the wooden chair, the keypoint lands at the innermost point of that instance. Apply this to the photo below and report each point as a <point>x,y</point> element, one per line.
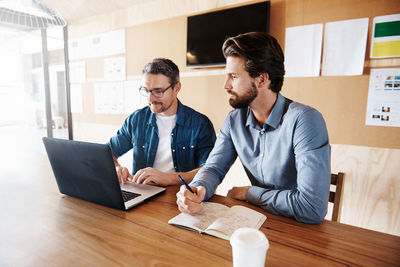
<point>336,196</point>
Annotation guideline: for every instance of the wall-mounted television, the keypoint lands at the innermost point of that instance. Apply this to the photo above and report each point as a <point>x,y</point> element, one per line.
<point>207,32</point>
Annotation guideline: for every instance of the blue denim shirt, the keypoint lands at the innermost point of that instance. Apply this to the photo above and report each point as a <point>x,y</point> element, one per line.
<point>287,161</point>
<point>192,139</point>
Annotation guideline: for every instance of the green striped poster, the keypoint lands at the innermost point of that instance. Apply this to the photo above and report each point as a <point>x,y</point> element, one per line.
<point>386,36</point>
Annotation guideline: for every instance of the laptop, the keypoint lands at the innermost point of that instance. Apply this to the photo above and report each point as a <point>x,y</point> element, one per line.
<point>87,171</point>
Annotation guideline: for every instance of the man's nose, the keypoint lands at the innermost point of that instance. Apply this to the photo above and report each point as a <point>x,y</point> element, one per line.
<point>227,84</point>
<point>151,97</point>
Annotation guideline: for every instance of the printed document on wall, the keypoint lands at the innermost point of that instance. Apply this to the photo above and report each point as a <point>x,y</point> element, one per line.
<point>114,69</point>
<point>385,41</point>
<point>303,46</point>
<point>344,47</point>
<point>383,108</point>
<point>109,98</point>
<point>97,45</point>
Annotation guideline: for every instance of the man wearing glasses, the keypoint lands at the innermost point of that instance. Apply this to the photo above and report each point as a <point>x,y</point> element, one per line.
<point>167,137</point>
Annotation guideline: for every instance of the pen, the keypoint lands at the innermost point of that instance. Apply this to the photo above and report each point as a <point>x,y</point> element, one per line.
<point>187,186</point>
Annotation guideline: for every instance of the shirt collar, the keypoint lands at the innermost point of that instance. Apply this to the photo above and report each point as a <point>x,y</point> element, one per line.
<point>152,119</point>
<point>273,119</point>
<point>180,115</point>
<point>277,112</point>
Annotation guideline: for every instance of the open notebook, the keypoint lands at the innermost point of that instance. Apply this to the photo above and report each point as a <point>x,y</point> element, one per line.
<point>219,220</point>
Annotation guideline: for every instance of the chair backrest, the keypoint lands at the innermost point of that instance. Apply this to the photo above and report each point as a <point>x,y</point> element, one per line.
<point>336,196</point>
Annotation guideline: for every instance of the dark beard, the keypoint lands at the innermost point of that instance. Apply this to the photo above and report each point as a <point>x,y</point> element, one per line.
<point>245,100</point>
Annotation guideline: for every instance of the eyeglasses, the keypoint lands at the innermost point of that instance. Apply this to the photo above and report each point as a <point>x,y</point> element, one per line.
<point>156,92</point>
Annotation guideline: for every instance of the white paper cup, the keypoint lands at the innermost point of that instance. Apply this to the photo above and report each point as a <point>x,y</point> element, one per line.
<point>249,247</point>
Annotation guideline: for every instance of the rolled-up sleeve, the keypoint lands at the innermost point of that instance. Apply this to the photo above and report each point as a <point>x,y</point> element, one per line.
<point>122,141</point>
<point>206,141</point>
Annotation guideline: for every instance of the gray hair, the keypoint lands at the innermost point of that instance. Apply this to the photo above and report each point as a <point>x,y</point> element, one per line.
<point>163,66</point>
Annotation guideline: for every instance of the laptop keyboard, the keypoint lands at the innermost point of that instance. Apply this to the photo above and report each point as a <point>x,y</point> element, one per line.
<point>129,195</point>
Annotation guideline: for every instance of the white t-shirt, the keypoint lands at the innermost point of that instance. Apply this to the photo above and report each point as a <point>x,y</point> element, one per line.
<point>163,161</point>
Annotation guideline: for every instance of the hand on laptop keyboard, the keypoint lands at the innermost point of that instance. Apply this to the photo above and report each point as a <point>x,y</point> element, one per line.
<point>123,174</point>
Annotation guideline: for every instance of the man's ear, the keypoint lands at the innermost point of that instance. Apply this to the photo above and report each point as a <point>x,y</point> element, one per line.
<point>262,80</point>
<point>177,87</point>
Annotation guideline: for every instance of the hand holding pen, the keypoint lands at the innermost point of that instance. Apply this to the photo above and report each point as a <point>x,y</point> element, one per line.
<point>186,185</point>
<point>189,199</point>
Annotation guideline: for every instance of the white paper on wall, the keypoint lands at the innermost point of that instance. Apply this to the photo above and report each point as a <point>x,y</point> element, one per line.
<point>344,47</point>
<point>383,108</point>
<point>74,49</point>
<point>303,46</point>
<point>109,98</point>
<point>118,97</point>
<point>113,43</point>
<point>98,45</point>
<point>114,69</point>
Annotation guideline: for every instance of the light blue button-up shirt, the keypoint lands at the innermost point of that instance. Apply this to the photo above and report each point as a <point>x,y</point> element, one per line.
<point>287,161</point>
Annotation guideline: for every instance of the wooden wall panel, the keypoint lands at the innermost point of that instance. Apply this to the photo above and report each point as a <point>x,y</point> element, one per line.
<point>207,96</point>
<point>95,68</point>
<point>371,191</point>
<point>166,38</point>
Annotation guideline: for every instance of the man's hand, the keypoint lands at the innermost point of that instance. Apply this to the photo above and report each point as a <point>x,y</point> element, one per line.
<point>189,202</point>
<point>123,174</point>
<point>152,176</point>
<point>239,193</point>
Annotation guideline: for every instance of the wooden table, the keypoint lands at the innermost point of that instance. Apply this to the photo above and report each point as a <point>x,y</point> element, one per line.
<point>40,227</point>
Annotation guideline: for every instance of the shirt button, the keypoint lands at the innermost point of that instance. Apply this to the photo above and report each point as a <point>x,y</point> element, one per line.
<point>173,150</point>
<point>172,133</point>
<point>183,147</point>
<point>192,146</point>
<point>142,146</point>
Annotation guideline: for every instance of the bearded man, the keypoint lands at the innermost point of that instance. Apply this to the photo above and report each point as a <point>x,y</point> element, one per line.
<point>283,145</point>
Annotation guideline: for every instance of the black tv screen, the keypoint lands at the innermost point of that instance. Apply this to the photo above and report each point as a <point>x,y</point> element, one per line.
<point>207,32</point>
